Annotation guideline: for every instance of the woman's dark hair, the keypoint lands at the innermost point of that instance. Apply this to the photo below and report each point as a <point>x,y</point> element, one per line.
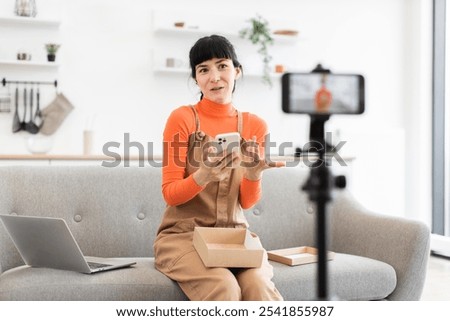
<point>210,47</point>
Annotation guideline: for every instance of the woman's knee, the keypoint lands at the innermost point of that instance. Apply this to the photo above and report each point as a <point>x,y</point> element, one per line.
<point>225,288</point>
<point>215,285</point>
<point>257,287</point>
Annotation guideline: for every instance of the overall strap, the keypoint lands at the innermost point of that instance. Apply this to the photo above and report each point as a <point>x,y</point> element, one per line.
<point>197,119</point>
<point>239,115</point>
<point>196,135</point>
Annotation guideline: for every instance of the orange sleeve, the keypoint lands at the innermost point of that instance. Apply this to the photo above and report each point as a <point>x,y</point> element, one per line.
<point>250,191</point>
<point>176,188</point>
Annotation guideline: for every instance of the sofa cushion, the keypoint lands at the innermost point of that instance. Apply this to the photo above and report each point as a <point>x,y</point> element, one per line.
<point>352,277</point>
<point>137,283</point>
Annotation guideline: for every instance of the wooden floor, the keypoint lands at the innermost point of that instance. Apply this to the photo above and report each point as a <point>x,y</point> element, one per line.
<point>437,284</point>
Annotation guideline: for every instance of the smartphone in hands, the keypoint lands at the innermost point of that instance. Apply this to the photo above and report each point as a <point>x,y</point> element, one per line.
<point>228,142</point>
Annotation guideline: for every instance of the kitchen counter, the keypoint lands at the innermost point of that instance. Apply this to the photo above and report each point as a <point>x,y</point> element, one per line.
<point>68,157</point>
<point>78,159</point>
<point>305,160</point>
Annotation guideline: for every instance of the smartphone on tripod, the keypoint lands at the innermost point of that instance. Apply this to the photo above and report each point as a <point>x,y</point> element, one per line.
<point>320,93</point>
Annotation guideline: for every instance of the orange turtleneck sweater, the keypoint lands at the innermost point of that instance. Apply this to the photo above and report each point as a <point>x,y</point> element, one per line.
<point>214,119</point>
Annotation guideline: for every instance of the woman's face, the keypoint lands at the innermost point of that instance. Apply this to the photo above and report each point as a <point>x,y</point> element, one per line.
<point>216,77</point>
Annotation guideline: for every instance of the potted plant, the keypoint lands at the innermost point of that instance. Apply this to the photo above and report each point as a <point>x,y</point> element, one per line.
<point>259,34</point>
<point>51,48</point>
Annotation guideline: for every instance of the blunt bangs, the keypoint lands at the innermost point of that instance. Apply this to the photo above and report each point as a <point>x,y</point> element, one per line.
<point>210,47</point>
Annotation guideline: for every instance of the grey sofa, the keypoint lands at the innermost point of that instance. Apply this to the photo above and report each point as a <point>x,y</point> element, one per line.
<point>115,212</point>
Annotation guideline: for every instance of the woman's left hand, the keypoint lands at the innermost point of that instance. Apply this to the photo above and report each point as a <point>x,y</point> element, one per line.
<point>253,163</point>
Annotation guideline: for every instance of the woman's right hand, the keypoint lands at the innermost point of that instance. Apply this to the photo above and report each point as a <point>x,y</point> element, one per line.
<point>214,169</point>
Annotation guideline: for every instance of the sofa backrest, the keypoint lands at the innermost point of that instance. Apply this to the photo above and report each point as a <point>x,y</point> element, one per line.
<point>284,217</point>
<point>110,211</point>
<point>114,212</point>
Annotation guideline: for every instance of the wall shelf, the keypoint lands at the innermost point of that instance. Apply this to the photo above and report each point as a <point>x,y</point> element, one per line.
<point>21,25</point>
<point>172,70</point>
<point>197,32</point>
<point>28,63</point>
<point>173,39</point>
<point>29,21</point>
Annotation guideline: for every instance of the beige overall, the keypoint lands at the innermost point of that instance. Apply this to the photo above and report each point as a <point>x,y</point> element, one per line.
<point>216,206</point>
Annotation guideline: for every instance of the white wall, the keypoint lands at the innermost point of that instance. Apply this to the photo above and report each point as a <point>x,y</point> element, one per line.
<point>106,70</point>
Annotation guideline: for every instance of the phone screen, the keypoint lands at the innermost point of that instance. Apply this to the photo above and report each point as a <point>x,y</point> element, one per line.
<point>322,93</point>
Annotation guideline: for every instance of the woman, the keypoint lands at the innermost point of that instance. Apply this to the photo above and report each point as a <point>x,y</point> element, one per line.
<point>201,191</point>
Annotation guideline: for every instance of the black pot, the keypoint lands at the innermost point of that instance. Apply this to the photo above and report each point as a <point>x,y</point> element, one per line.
<point>51,57</point>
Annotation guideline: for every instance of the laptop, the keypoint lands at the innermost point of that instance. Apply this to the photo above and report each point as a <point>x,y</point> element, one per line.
<point>48,242</point>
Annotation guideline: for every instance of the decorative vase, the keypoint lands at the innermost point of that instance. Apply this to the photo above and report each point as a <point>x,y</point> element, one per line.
<point>39,144</point>
<point>25,8</point>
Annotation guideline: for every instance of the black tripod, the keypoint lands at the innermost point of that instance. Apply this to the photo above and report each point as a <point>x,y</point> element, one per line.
<point>319,187</point>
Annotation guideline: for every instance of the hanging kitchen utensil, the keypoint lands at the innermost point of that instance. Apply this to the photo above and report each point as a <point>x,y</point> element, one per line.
<point>23,124</point>
<point>37,115</point>
<point>5,104</point>
<point>17,125</point>
<point>54,114</point>
<point>30,126</point>
<point>5,100</point>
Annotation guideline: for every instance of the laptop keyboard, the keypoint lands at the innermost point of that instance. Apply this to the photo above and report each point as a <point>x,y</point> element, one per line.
<point>95,266</point>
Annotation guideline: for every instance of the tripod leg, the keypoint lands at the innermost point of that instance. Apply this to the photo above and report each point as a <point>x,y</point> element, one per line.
<point>322,245</point>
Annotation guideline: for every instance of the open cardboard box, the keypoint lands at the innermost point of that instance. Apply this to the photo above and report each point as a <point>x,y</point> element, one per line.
<point>297,255</point>
<point>228,247</point>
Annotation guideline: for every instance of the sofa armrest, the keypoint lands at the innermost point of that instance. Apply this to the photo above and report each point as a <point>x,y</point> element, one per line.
<point>402,243</point>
